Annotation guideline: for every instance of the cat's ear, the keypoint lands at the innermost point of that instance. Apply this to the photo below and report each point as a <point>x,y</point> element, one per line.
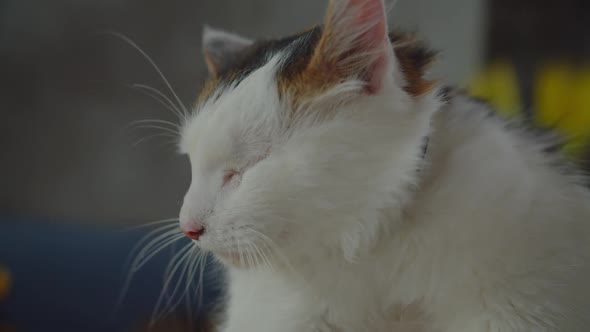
<point>355,43</point>
<point>221,48</point>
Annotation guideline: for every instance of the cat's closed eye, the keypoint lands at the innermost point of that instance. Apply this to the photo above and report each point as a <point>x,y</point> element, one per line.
<point>228,176</point>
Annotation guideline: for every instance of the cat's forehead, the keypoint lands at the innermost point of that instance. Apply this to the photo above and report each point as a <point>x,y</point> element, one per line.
<point>242,99</point>
<point>295,50</point>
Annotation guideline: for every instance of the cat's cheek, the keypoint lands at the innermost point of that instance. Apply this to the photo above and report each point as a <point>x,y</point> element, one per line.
<point>283,235</point>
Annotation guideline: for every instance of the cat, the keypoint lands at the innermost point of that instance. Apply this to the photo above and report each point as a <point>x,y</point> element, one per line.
<point>345,191</point>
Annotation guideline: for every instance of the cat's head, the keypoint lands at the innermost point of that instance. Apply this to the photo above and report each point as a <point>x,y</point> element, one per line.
<point>298,145</point>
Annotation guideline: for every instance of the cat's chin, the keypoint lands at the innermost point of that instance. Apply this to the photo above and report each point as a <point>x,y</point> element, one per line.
<point>233,259</point>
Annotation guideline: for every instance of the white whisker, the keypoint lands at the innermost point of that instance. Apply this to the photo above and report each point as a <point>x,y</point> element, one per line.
<point>154,252</point>
<point>240,254</point>
<point>248,255</point>
<point>194,260</point>
<point>153,64</point>
<point>146,238</point>
<point>151,223</point>
<point>169,274</point>
<point>156,121</point>
<point>153,136</point>
<point>200,287</point>
<point>274,248</point>
<point>189,279</point>
<point>199,261</point>
<point>264,256</point>
<point>164,129</point>
<point>161,98</point>
<point>170,305</point>
<point>133,265</point>
<point>253,260</point>
<point>164,101</point>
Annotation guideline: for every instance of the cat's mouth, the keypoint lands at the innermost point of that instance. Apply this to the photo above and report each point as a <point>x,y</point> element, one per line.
<point>230,257</point>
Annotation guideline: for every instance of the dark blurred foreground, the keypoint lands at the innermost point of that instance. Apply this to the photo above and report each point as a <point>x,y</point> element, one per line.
<point>67,278</point>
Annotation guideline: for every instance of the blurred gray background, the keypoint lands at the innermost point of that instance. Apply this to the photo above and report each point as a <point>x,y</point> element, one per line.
<point>67,150</point>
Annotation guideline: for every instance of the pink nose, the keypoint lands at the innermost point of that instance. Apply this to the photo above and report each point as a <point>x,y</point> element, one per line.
<point>193,230</point>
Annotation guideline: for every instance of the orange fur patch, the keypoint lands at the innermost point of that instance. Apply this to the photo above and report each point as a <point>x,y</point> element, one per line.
<point>208,89</point>
<point>414,60</point>
<point>212,66</point>
<point>312,75</point>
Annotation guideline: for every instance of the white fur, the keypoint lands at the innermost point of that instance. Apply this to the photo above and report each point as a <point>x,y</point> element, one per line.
<point>339,224</point>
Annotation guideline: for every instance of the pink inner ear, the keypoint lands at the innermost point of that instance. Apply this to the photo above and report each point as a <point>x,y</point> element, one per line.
<point>371,14</point>
<point>376,72</point>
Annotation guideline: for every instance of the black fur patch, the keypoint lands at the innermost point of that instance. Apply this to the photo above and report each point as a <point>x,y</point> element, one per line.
<point>260,52</point>
<point>303,49</point>
<point>445,94</point>
<point>416,51</point>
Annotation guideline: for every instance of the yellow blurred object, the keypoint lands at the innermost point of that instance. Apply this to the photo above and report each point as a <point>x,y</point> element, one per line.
<point>578,125</point>
<point>553,94</point>
<point>561,97</point>
<point>5,283</point>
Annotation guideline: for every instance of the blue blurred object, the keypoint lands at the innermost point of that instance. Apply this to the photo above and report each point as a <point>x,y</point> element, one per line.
<point>68,278</point>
